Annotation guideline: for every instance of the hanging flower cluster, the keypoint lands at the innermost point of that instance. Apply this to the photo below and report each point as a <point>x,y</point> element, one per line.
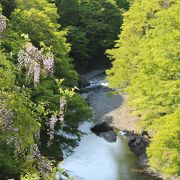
<point>45,167</point>
<point>37,70</point>
<point>59,116</point>
<point>7,118</point>
<point>62,106</point>
<point>55,118</point>
<point>33,59</point>
<point>51,123</point>
<point>19,149</point>
<point>48,62</point>
<point>2,23</point>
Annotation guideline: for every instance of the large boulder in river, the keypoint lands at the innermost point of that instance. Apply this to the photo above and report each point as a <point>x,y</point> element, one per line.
<point>102,127</point>
<point>105,130</point>
<point>83,82</point>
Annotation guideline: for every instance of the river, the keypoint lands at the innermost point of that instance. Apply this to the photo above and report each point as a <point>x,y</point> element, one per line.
<point>97,159</point>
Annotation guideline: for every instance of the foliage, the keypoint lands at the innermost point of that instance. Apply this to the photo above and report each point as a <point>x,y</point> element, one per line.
<point>165,144</point>
<point>21,118</point>
<point>146,66</point>
<point>35,61</point>
<point>93,26</point>
<point>38,19</point>
<point>26,109</point>
<point>7,77</point>
<point>77,108</point>
<point>124,4</point>
<point>8,7</point>
<point>6,152</point>
<point>16,113</point>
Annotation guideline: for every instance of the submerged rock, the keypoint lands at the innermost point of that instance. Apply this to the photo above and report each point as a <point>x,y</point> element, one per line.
<point>109,136</point>
<point>106,131</point>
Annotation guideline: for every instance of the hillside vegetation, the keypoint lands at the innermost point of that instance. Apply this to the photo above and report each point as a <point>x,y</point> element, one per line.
<point>147,67</point>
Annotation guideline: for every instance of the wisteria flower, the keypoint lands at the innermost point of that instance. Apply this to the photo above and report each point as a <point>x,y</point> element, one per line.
<point>2,23</point>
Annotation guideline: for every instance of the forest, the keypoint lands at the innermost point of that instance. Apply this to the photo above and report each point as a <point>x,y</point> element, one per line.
<point>46,46</point>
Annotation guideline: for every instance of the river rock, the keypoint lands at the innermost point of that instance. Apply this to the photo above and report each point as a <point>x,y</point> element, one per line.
<point>109,136</point>
<point>143,160</point>
<point>105,130</point>
<point>138,145</point>
<point>124,133</point>
<point>145,134</point>
<point>102,127</point>
<point>83,82</point>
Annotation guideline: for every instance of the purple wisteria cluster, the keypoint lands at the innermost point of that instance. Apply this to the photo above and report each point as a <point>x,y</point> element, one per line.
<point>48,62</point>
<point>34,59</point>
<point>19,149</point>
<point>37,71</point>
<point>7,117</point>
<point>45,167</point>
<point>55,118</point>
<point>52,122</point>
<point>7,121</point>
<point>2,23</point>
<point>62,106</point>
<point>36,152</point>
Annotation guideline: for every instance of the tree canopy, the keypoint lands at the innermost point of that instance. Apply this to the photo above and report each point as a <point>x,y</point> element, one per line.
<point>37,97</point>
<point>146,66</point>
<point>93,26</point>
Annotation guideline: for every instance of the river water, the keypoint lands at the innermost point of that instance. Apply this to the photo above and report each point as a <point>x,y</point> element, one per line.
<point>97,159</point>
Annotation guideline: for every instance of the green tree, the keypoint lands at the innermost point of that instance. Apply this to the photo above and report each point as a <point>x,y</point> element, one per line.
<point>16,113</point>
<point>93,26</point>
<point>8,7</point>
<point>38,19</point>
<point>146,66</point>
<point>32,106</point>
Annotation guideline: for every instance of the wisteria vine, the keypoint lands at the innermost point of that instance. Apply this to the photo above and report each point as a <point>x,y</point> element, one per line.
<point>55,118</point>
<point>7,117</point>
<point>2,23</point>
<point>45,167</point>
<point>33,59</point>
